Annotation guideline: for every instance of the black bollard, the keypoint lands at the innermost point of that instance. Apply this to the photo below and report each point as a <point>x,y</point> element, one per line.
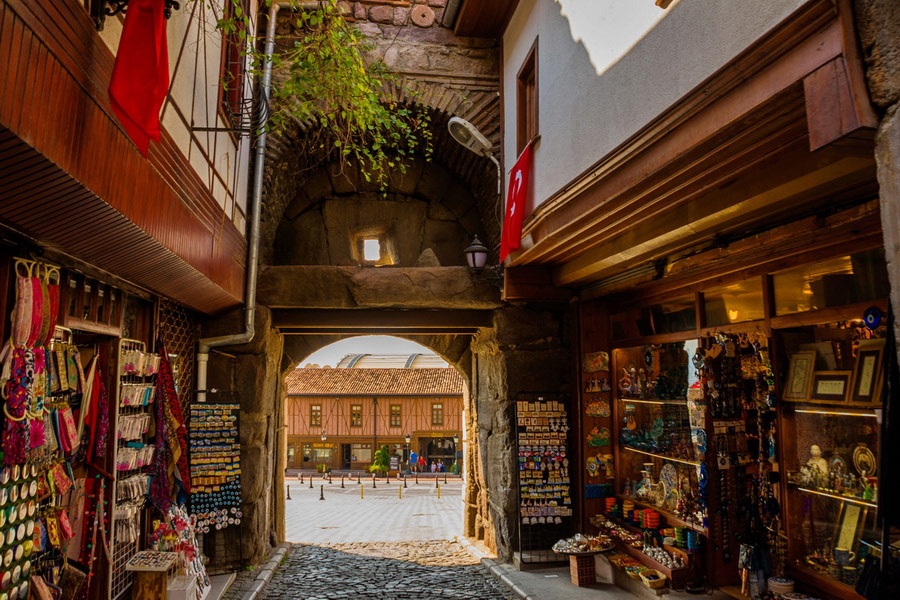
<point>342,482</point>
<point>329,478</point>
<point>321,492</point>
<point>288,492</point>
<point>436,483</point>
<point>301,477</point>
<point>310,482</point>
<point>358,480</point>
<point>373,480</point>
<point>404,481</point>
<point>445,478</point>
<point>417,478</point>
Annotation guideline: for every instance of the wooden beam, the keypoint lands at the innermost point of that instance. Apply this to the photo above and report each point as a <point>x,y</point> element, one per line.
<point>533,283</point>
<point>398,320</point>
<point>831,112</point>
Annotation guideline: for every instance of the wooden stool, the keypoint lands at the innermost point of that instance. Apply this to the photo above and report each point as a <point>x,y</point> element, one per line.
<point>582,569</point>
<point>152,572</point>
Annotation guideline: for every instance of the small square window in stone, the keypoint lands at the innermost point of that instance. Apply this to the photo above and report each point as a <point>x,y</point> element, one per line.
<point>371,249</point>
<point>315,415</point>
<point>395,415</point>
<point>356,415</point>
<point>437,414</point>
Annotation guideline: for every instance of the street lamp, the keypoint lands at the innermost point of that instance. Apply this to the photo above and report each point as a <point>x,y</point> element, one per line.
<point>408,439</point>
<point>455,453</point>
<point>324,437</point>
<point>476,255</point>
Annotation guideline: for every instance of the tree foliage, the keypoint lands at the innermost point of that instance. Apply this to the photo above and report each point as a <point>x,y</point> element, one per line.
<point>324,81</point>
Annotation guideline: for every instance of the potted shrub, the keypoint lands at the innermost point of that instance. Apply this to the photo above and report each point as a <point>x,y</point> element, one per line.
<point>382,461</point>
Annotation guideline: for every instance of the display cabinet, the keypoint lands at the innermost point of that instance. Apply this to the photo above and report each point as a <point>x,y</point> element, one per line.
<point>661,433</point>
<point>832,383</point>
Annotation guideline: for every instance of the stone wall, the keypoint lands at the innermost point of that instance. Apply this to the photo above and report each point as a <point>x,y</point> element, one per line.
<point>423,209</point>
<point>527,350</point>
<point>878,25</point>
<point>251,374</point>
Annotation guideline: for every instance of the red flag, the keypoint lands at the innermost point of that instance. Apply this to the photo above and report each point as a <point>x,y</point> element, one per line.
<point>515,204</point>
<point>140,78</point>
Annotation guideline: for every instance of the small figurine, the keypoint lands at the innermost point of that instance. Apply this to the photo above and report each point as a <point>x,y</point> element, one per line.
<point>816,461</point>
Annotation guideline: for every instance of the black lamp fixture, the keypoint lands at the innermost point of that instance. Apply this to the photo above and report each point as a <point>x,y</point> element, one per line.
<point>100,9</point>
<point>455,438</point>
<point>324,437</point>
<point>476,255</point>
<point>408,439</point>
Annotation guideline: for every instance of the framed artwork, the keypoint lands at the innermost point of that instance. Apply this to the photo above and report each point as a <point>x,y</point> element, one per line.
<point>849,526</point>
<point>832,386</point>
<point>595,361</point>
<point>867,373</point>
<point>800,373</point>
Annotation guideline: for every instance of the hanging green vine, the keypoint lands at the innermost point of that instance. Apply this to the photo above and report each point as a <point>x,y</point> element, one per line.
<point>322,80</point>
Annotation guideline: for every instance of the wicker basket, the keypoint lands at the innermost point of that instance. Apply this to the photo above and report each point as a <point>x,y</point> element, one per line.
<point>655,583</point>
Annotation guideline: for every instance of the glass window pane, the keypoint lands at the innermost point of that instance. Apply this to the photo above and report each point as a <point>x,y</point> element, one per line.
<point>669,316</point>
<point>734,303</point>
<point>835,282</point>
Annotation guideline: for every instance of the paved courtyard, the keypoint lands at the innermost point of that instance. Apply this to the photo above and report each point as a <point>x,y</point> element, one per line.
<point>379,516</point>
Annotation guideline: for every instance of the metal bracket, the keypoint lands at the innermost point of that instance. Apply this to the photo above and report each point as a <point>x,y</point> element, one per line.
<point>100,9</point>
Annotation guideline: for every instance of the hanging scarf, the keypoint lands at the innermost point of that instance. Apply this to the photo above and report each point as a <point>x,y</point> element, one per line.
<point>36,405</point>
<point>15,434</point>
<point>21,322</point>
<point>171,439</point>
<point>52,307</point>
<point>37,311</point>
<point>160,491</point>
<point>98,417</point>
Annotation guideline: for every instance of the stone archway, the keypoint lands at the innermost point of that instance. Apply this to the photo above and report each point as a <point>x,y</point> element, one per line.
<point>314,290</point>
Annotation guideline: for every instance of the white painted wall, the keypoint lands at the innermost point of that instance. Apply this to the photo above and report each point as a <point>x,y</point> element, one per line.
<point>608,67</point>
<point>195,54</point>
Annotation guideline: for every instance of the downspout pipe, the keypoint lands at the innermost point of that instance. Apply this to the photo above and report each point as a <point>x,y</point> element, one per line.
<point>206,344</point>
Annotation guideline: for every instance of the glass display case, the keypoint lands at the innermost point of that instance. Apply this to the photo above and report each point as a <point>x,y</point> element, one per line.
<point>661,432</point>
<point>832,380</point>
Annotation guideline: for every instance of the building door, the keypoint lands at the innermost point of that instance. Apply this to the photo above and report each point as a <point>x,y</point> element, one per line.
<point>345,456</point>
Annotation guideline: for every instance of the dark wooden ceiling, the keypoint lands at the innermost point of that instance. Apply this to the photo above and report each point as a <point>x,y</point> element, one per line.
<point>484,18</point>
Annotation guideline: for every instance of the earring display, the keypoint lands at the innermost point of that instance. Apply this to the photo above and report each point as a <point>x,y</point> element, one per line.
<point>545,503</point>
<point>215,462</point>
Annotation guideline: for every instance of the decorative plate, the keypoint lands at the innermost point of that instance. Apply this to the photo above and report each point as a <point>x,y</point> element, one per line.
<point>669,476</point>
<point>700,439</point>
<point>864,460</point>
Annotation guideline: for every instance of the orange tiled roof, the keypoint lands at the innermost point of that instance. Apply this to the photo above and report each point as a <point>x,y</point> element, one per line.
<point>381,382</point>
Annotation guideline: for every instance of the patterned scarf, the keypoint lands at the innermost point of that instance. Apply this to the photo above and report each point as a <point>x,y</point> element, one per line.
<point>171,439</point>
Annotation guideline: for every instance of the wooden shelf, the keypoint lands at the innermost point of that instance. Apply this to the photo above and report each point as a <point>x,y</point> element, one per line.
<point>850,499</point>
<point>670,518</point>
<point>694,463</point>
<point>659,401</point>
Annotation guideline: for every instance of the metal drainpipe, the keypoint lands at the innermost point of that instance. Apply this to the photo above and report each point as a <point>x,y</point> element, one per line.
<point>246,336</point>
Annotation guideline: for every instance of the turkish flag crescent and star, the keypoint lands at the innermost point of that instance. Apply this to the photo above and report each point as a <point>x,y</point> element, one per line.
<point>140,78</point>
<point>515,204</point>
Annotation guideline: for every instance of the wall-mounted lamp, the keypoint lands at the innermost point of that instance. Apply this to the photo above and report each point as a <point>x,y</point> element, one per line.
<point>476,255</point>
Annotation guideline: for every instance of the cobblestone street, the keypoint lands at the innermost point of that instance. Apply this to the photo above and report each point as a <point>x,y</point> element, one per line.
<point>381,571</point>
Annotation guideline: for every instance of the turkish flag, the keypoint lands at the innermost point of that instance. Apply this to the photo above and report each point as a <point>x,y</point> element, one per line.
<point>140,78</point>
<point>515,204</point>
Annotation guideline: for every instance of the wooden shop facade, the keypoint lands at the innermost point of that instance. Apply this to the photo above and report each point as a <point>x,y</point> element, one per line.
<point>730,291</point>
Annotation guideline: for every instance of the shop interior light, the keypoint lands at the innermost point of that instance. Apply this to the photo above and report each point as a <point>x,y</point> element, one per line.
<point>861,413</point>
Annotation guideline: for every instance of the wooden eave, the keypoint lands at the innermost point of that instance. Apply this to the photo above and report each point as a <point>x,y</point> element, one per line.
<point>484,18</point>
<point>776,134</point>
<point>72,181</point>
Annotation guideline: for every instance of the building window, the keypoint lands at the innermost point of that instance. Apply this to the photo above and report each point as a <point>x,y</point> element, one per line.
<point>315,415</point>
<point>395,415</point>
<point>231,81</point>
<point>437,414</point>
<point>527,100</point>
<point>356,415</point>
